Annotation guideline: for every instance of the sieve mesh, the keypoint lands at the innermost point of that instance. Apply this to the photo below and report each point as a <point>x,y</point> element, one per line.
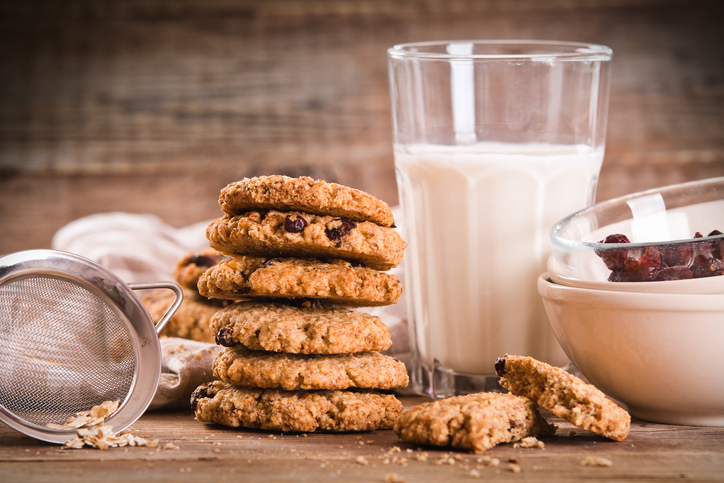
<point>62,350</point>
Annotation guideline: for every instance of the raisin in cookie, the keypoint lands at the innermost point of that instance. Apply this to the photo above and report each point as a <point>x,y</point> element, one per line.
<point>297,234</point>
<point>303,411</point>
<point>244,367</point>
<point>474,422</point>
<point>303,194</point>
<point>193,264</point>
<point>564,395</point>
<point>299,328</point>
<point>335,281</point>
<point>191,319</point>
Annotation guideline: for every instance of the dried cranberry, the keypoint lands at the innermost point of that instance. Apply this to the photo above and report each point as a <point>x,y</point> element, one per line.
<point>674,273</point>
<point>200,392</point>
<point>295,225</point>
<point>202,261</point>
<point>308,304</point>
<point>625,276</point>
<point>500,366</point>
<point>717,246</point>
<point>649,263</point>
<point>616,238</point>
<point>706,267</point>
<point>268,262</point>
<point>630,272</point>
<point>336,234</point>
<point>677,255</point>
<point>225,337</point>
<point>614,258</point>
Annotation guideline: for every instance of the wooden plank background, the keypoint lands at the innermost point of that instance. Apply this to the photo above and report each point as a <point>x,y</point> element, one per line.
<point>154,106</point>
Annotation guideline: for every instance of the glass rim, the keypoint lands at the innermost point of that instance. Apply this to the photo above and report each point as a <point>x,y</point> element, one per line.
<point>558,49</point>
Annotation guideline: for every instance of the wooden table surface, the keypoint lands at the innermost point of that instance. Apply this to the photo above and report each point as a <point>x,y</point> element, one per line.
<point>152,107</point>
<point>652,452</point>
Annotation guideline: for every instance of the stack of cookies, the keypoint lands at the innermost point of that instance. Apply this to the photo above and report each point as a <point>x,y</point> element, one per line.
<point>296,358</point>
<point>191,319</point>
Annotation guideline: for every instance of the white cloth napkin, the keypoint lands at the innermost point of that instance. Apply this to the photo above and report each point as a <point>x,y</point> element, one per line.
<point>144,249</point>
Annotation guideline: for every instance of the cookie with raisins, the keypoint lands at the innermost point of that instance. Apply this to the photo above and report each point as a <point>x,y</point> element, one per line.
<point>282,193</point>
<point>240,366</point>
<point>299,234</point>
<point>333,281</point>
<point>564,395</point>
<point>190,267</point>
<point>474,422</point>
<point>303,327</point>
<point>191,319</point>
<point>299,411</point>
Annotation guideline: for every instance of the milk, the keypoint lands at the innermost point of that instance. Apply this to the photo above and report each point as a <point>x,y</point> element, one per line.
<point>476,221</point>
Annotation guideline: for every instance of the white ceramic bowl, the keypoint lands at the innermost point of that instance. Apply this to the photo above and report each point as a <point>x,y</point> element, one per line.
<point>660,354</point>
<point>705,285</point>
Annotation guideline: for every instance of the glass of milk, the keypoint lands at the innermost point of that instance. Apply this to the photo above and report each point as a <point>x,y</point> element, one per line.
<point>494,142</point>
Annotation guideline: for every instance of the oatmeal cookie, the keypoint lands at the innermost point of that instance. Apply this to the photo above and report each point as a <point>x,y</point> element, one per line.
<point>299,328</point>
<point>474,422</point>
<point>244,367</point>
<point>336,281</point>
<point>193,264</point>
<point>303,411</point>
<point>303,194</point>
<point>564,395</point>
<point>191,319</point>
<point>297,234</point>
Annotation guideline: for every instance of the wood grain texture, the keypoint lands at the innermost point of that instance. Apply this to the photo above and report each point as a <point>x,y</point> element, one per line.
<point>154,106</point>
<point>652,452</point>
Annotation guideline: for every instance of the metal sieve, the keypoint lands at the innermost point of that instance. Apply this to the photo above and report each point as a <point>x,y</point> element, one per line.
<point>73,335</point>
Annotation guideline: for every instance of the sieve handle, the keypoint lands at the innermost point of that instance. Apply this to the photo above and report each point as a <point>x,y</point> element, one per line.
<point>172,308</point>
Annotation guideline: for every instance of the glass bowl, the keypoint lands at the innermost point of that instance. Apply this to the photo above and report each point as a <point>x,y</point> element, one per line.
<point>707,285</point>
<point>647,241</point>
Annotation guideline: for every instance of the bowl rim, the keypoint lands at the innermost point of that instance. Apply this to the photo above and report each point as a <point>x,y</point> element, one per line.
<point>689,302</point>
<point>567,243</point>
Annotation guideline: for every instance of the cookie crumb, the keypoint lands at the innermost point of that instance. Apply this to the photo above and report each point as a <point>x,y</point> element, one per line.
<point>529,442</point>
<point>361,460</point>
<point>596,461</point>
<point>514,468</point>
<point>394,478</point>
<point>474,474</point>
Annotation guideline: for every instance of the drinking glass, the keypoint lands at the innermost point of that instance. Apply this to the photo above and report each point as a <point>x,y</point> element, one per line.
<point>494,141</point>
